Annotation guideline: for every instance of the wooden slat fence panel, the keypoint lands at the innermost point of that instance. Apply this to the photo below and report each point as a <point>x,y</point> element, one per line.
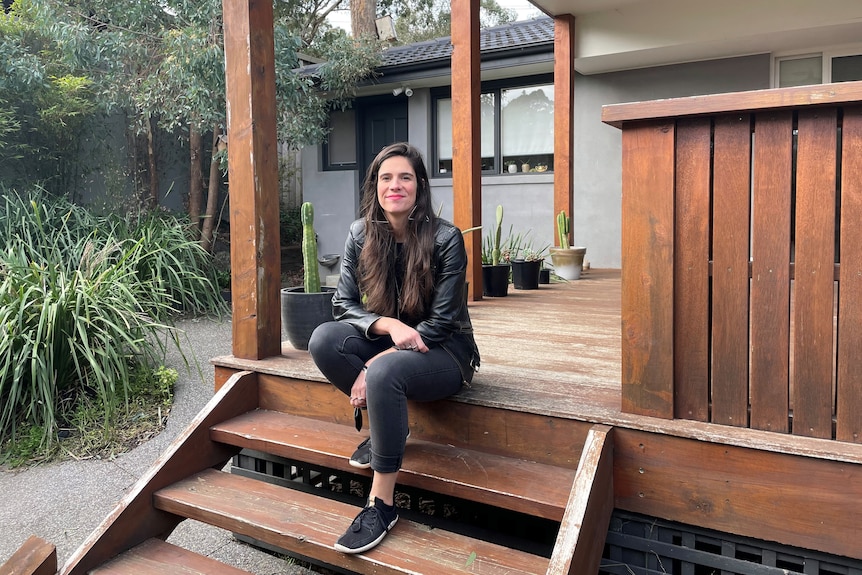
<point>849,374</point>
<point>814,272</point>
<point>761,325</point>
<point>730,277</point>
<point>647,270</point>
<point>770,280</point>
<point>691,270</point>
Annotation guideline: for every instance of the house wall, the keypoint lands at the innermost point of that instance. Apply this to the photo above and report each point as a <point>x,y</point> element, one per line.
<point>528,199</point>
<point>596,217</point>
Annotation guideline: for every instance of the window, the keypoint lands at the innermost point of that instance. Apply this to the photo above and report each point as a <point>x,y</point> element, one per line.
<point>339,152</point>
<point>517,129</point>
<point>809,69</point>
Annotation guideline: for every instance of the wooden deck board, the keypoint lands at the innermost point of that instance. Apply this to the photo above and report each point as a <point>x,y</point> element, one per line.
<point>556,351</point>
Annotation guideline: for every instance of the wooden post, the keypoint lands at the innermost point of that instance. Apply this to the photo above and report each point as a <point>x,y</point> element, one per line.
<point>564,106</point>
<point>466,134</point>
<point>253,177</point>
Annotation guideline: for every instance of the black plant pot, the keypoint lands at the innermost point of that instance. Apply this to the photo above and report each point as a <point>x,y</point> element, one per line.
<point>544,276</point>
<point>525,275</point>
<point>302,312</point>
<point>495,280</point>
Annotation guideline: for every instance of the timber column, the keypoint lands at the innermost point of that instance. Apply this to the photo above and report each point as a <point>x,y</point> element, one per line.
<point>466,135</point>
<point>255,253</point>
<point>564,109</point>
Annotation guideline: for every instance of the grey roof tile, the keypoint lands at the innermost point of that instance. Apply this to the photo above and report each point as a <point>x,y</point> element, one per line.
<point>515,35</point>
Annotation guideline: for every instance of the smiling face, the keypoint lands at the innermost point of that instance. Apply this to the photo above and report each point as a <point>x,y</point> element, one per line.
<point>396,189</point>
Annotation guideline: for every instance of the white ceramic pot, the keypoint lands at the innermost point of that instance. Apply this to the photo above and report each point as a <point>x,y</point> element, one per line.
<point>568,263</point>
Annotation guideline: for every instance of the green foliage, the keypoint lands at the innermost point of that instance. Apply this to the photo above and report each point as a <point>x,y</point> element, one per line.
<point>420,20</point>
<point>47,99</point>
<point>290,226</point>
<point>82,299</point>
<point>309,250</point>
<point>159,63</point>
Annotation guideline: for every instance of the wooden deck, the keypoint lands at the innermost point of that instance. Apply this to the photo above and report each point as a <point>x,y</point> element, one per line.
<point>556,351</point>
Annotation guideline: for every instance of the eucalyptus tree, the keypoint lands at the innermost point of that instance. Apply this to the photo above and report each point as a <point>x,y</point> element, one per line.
<point>46,101</point>
<point>418,20</point>
<point>162,64</point>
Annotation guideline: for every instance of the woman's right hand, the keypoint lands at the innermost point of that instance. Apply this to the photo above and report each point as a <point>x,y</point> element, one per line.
<point>403,336</point>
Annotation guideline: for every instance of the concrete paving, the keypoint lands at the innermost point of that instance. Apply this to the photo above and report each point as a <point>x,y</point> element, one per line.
<point>64,502</point>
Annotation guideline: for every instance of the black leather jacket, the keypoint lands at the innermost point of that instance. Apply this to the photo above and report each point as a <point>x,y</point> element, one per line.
<point>447,323</point>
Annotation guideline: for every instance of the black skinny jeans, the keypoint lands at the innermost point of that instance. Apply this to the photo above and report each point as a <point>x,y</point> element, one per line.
<point>340,350</point>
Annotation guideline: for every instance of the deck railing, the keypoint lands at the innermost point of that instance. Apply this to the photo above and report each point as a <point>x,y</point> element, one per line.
<point>742,259</point>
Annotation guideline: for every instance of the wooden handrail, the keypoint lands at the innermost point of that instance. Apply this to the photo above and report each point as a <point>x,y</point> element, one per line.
<point>737,102</point>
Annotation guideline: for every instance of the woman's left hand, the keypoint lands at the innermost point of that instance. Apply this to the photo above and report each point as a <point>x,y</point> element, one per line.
<point>358,391</point>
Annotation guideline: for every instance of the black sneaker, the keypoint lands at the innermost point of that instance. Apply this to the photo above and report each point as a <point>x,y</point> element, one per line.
<point>361,458</point>
<point>368,529</point>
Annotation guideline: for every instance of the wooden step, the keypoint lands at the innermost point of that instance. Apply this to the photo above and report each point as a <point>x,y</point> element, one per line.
<point>309,525</point>
<point>528,487</point>
<point>35,557</point>
<point>156,557</point>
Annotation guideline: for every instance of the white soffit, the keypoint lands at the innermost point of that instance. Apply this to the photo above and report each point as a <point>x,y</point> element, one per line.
<point>615,35</point>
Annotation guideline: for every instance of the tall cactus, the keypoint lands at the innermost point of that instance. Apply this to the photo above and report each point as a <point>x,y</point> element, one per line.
<point>309,249</point>
<point>563,222</point>
<point>498,230</point>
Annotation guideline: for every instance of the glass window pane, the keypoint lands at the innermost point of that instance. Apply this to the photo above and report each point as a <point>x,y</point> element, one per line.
<point>800,71</point>
<point>527,127</point>
<point>444,132</point>
<point>847,69</point>
<point>342,138</point>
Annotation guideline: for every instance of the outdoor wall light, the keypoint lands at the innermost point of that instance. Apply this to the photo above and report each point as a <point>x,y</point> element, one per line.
<point>402,90</point>
<point>397,91</point>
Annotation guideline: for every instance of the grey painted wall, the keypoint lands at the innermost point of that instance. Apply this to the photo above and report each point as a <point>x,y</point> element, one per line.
<point>528,199</point>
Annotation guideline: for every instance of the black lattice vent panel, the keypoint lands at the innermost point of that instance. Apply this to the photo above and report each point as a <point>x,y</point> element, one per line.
<point>635,544</point>
<point>639,545</point>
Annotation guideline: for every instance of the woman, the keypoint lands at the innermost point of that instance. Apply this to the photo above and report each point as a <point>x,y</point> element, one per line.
<point>402,329</point>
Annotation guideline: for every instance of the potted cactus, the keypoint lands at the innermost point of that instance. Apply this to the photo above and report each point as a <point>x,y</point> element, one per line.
<point>305,307</point>
<point>568,261</point>
<point>495,272</point>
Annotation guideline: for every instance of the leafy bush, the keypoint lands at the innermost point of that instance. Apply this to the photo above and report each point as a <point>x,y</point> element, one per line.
<point>83,300</point>
<point>290,226</point>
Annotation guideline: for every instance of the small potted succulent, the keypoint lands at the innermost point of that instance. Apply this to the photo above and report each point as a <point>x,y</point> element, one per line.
<point>305,307</point>
<point>527,268</point>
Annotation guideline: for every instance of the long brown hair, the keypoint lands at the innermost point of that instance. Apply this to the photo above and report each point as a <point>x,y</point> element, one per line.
<point>377,273</point>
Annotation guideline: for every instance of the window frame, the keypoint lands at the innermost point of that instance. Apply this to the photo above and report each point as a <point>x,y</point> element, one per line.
<point>493,86</point>
<point>326,160</point>
<point>826,56</point>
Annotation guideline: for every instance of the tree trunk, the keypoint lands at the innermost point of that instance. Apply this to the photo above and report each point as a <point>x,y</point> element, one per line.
<point>212,196</point>
<point>363,14</point>
<point>153,199</point>
<point>195,177</point>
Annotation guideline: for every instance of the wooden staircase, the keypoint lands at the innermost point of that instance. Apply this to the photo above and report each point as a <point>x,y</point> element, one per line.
<point>454,451</point>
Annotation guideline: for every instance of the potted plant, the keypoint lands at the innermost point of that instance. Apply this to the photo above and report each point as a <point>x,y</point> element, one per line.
<point>495,273</point>
<point>305,307</point>
<point>512,167</point>
<point>568,261</point>
<point>525,166</point>
<point>527,268</point>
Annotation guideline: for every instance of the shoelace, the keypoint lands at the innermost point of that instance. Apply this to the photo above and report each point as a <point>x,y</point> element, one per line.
<point>367,518</point>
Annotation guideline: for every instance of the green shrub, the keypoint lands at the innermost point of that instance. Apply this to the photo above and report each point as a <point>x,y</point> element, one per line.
<point>82,301</point>
<point>290,226</point>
